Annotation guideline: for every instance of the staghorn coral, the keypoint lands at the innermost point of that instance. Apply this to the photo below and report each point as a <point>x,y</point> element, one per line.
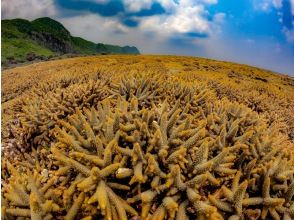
<point>175,156</point>
<point>156,144</point>
<point>39,111</point>
<point>251,86</point>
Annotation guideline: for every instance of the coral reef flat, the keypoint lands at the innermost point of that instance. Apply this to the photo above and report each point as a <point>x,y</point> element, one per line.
<point>146,137</point>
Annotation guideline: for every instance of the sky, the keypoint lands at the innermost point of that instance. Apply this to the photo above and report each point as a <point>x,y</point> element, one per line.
<point>255,32</point>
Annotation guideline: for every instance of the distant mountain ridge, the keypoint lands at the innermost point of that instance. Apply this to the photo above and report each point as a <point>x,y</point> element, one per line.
<point>45,37</point>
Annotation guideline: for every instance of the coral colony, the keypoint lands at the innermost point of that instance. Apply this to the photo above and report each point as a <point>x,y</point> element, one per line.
<point>142,146</point>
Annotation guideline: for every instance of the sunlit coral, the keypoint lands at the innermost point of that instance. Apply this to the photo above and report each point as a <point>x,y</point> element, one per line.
<point>153,145</point>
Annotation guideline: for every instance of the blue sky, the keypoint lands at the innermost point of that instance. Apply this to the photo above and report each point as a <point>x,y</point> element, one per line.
<point>254,32</point>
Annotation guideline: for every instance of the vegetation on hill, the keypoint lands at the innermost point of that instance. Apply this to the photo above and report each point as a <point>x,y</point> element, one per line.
<point>44,38</point>
<point>158,137</point>
<point>49,26</point>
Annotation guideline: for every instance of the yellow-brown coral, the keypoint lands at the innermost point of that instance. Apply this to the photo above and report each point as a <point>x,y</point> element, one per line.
<point>148,145</point>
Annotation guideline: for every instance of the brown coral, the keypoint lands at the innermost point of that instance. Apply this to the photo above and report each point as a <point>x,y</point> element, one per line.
<point>152,151</point>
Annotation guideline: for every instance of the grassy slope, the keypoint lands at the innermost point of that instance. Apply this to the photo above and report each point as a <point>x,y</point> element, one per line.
<point>48,25</point>
<point>18,49</point>
<point>83,46</point>
<point>17,41</point>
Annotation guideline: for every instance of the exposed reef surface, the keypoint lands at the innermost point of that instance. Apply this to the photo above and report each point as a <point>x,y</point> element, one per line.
<point>142,143</point>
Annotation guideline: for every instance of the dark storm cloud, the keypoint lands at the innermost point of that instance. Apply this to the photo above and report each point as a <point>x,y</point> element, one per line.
<point>108,8</point>
<point>111,8</point>
<point>130,22</point>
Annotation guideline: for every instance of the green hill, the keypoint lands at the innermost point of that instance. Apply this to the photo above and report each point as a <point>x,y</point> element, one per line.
<point>43,38</point>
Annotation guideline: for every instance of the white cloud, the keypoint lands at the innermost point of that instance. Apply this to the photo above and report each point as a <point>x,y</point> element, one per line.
<point>289,34</point>
<point>184,17</point>
<point>210,1</point>
<point>135,5</point>
<point>219,17</point>
<point>187,19</point>
<point>292,6</point>
<point>277,3</point>
<point>266,5</point>
<point>168,5</point>
<point>195,2</point>
<point>94,27</point>
<point>109,30</point>
<point>28,9</point>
